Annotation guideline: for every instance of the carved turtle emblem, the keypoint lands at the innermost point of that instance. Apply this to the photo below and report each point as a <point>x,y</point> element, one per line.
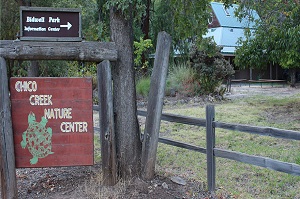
<point>37,138</point>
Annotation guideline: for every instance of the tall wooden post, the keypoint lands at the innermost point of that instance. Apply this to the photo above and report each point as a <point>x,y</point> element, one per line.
<point>210,145</point>
<point>7,157</point>
<point>107,131</point>
<point>155,104</point>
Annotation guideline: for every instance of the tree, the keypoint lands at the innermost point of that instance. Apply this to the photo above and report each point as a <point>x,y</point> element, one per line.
<point>276,37</point>
<point>127,132</point>
<point>122,15</point>
<point>9,18</point>
<point>185,20</point>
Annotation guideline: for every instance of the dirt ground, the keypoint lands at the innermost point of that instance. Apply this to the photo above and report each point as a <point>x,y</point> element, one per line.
<point>246,91</point>
<point>85,182</point>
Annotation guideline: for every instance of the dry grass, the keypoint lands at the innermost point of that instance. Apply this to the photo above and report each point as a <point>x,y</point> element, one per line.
<point>94,188</point>
<point>238,179</point>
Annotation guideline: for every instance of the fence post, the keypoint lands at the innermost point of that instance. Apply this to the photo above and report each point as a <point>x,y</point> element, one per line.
<point>106,117</point>
<point>7,157</point>
<point>155,104</point>
<point>210,145</point>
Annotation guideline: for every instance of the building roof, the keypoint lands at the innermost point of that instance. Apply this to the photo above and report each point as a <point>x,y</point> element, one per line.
<point>227,18</point>
<point>230,28</point>
<point>224,36</point>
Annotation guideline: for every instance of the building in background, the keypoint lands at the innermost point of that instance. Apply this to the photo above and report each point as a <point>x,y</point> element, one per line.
<point>226,29</point>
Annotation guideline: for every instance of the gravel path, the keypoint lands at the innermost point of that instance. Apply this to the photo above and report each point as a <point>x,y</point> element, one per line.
<point>246,91</point>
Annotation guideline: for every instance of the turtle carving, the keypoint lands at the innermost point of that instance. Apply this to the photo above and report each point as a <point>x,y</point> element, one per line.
<point>37,138</point>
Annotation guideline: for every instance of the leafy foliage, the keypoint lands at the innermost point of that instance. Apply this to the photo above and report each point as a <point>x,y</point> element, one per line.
<point>129,8</point>
<point>211,67</point>
<point>182,19</point>
<point>141,48</point>
<point>252,54</point>
<point>277,34</point>
<point>9,17</point>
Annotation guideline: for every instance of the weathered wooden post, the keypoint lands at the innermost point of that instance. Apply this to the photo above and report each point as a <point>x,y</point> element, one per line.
<point>210,145</point>
<point>155,104</point>
<point>106,117</point>
<point>8,171</point>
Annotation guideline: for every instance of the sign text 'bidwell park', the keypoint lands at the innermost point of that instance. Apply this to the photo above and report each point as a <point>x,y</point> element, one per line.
<point>54,24</point>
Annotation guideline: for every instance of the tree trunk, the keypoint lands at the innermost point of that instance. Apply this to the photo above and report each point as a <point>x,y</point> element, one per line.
<point>145,30</point>
<point>33,69</point>
<point>128,142</point>
<point>146,20</point>
<point>293,77</point>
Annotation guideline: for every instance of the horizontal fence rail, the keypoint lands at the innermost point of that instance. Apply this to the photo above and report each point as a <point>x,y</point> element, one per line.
<point>264,162</point>
<point>178,119</point>
<point>182,145</point>
<point>175,143</point>
<point>269,163</point>
<point>79,51</point>
<point>266,131</point>
<point>171,118</point>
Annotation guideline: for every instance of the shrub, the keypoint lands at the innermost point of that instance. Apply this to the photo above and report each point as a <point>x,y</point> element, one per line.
<point>141,50</point>
<point>210,65</point>
<point>182,79</point>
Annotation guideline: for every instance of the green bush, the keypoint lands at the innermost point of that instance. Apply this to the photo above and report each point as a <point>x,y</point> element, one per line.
<point>141,51</point>
<point>143,86</point>
<point>211,66</point>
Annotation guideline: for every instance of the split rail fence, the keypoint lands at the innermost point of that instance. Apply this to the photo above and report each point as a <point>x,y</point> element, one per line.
<point>212,152</point>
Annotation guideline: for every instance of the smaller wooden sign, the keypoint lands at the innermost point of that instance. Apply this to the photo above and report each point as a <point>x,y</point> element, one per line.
<point>52,121</point>
<point>50,24</point>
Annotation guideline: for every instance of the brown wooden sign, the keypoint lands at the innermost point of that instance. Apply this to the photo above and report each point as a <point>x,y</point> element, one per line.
<point>54,24</point>
<point>52,121</point>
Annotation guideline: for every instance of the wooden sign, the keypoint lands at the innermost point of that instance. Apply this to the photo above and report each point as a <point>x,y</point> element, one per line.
<point>52,121</point>
<point>50,24</point>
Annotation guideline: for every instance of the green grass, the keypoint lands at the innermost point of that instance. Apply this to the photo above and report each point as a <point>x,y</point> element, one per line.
<point>97,149</point>
<point>237,179</point>
<point>143,86</point>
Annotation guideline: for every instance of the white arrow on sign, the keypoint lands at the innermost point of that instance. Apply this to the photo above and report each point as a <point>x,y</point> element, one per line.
<point>66,26</point>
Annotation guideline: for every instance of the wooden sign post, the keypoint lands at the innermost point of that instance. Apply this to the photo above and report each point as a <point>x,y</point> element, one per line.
<point>52,121</point>
<point>7,160</point>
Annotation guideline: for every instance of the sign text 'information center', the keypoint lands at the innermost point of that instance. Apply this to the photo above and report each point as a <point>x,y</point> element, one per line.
<point>54,24</point>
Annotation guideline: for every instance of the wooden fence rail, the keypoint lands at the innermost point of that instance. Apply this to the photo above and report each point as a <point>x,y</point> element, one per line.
<point>269,163</point>
<point>178,119</point>
<point>266,131</point>
<point>211,151</point>
<point>79,51</point>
